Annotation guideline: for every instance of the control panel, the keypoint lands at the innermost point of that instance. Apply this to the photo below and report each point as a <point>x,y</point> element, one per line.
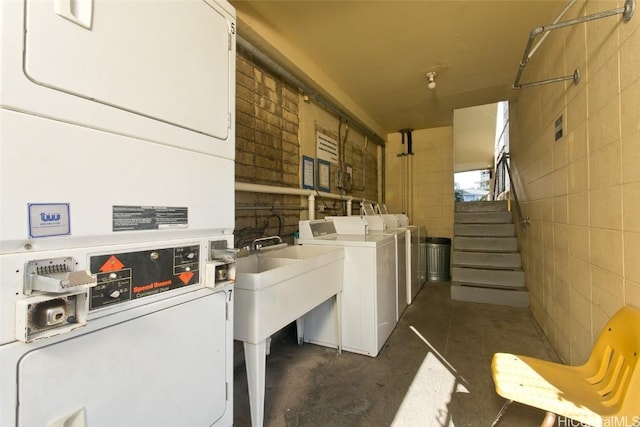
<point>132,275</point>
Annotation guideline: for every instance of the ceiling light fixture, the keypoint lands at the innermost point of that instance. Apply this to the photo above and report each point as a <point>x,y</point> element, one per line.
<point>432,79</point>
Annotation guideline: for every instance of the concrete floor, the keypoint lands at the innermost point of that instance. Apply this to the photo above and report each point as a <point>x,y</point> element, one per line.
<point>435,370</point>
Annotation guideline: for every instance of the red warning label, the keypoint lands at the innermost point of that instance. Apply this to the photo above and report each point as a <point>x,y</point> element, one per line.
<point>185,277</point>
<point>112,264</point>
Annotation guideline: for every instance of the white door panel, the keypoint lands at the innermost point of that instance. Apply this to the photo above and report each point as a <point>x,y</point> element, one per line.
<point>152,370</point>
<point>167,60</point>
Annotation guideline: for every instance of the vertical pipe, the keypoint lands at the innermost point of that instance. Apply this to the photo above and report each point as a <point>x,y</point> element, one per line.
<point>403,173</point>
<point>382,172</point>
<point>409,208</point>
<point>409,211</point>
<point>312,207</point>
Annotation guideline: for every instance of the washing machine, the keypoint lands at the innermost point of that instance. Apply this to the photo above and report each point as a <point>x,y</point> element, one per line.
<point>416,233</point>
<point>393,222</point>
<point>374,225</point>
<point>380,220</point>
<point>368,309</point>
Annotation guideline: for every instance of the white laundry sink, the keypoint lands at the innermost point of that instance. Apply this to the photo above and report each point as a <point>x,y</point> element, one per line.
<point>254,265</point>
<point>274,288</point>
<point>300,252</point>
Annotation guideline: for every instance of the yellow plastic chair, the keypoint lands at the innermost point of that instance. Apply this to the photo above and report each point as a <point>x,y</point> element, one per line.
<point>603,392</point>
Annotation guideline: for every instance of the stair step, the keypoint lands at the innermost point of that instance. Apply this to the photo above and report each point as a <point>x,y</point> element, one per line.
<point>483,217</point>
<point>494,206</point>
<point>486,259</point>
<point>487,295</point>
<point>486,230</point>
<point>485,244</point>
<point>492,277</point>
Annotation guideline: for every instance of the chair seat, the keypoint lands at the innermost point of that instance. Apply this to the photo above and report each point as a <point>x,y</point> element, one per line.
<point>603,391</point>
<point>552,387</point>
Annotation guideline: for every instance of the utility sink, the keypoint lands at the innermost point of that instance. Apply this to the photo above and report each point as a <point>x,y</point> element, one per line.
<point>273,267</point>
<point>302,252</point>
<point>257,264</point>
<point>272,289</point>
<point>275,287</point>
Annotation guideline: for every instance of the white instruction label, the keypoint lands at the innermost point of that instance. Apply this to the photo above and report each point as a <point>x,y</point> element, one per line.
<point>326,148</point>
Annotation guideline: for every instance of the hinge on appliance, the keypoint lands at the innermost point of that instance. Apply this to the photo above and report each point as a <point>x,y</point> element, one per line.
<point>226,311</point>
<point>229,38</point>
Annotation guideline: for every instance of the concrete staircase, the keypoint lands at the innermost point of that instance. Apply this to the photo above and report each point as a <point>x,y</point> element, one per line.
<point>486,264</point>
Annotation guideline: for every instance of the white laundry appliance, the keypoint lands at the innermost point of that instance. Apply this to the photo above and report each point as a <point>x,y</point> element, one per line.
<point>116,182</point>
<point>368,308</point>
<point>417,261</point>
<point>399,223</point>
<point>374,225</point>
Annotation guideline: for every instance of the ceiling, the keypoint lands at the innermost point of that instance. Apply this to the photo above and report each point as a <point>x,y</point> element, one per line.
<point>375,54</point>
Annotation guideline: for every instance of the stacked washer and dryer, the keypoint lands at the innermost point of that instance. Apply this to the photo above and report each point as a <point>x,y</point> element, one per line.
<point>117,150</point>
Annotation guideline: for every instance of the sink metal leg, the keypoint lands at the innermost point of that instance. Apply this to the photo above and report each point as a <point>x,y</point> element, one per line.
<point>255,357</point>
<point>300,329</point>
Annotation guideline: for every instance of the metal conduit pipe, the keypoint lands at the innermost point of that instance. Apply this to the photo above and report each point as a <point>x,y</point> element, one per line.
<point>287,76</point>
<point>382,175</point>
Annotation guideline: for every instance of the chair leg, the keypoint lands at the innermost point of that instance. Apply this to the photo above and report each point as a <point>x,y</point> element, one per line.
<point>503,411</point>
<point>549,420</point>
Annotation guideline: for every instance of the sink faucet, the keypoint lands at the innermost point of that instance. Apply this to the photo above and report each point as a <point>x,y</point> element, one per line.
<point>259,243</point>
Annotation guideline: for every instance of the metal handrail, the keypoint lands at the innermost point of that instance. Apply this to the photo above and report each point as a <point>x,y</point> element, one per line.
<point>499,184</point>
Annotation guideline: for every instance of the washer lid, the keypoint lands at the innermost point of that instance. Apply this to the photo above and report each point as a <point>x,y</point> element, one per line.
<point>365,240</point>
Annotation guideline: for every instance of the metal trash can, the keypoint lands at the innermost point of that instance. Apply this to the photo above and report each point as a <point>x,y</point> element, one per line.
<point>423,260</point>
<point>438,259</point>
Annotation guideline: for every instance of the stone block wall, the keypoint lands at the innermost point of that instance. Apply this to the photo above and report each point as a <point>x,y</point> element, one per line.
<point>267,152</point>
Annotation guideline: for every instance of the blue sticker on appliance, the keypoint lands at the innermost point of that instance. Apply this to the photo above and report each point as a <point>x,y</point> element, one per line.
<point>49,219</point>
